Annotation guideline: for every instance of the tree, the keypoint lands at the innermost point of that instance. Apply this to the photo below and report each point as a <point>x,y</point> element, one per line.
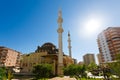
<point>42,71</point>
<point>115,66</point>
<point>70,70</point>
<point>9,75</point>
<point>2,73</point>
<point>93,68</point>
<point>77,71</point>
<point>106,72</point>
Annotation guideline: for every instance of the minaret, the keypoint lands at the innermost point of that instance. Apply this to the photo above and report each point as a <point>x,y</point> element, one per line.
<point>69,44</point>
<point>60,52</point>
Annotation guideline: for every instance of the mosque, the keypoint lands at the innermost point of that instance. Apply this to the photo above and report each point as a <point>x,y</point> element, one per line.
<point>48,53</point>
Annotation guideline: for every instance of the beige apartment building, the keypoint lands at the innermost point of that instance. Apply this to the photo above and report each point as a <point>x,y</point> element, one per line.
<point>47,53</point>
<point>9,57</point>
<point>89,58</point>
<point>109,43</point>
<point>99,58</point>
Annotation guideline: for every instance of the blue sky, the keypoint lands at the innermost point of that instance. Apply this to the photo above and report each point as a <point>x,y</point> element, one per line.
<point>25,24</point>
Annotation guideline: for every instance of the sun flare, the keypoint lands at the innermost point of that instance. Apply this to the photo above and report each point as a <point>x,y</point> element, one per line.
<point>91,26</point>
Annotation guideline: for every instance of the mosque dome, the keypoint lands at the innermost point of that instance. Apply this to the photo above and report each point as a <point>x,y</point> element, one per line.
<point>47,47</point>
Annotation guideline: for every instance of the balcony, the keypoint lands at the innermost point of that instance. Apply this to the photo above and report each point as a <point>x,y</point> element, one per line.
<point>3,58</point>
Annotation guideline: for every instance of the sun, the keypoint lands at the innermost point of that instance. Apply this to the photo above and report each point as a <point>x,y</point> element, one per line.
<point>91,26</point>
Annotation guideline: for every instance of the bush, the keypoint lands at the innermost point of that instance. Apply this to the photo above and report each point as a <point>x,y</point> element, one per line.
<point>42,71</point>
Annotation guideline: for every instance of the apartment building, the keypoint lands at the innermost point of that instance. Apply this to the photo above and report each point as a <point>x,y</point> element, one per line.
<point>109,43</point>
<point>9,57</point>
<point>99,58</point>
<point>89,58</point>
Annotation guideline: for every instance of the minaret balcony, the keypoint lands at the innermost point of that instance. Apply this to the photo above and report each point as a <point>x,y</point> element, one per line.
<point>60,30</point>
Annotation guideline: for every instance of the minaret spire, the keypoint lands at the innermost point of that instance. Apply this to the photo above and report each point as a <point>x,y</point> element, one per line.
<point>69,44</point>
<point>60,13</point>
<point>60,49</point>
<point>60,20</point>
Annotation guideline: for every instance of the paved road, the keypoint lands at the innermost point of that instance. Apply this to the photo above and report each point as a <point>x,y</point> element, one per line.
<point>55,78</point>
<point>62,78</point>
